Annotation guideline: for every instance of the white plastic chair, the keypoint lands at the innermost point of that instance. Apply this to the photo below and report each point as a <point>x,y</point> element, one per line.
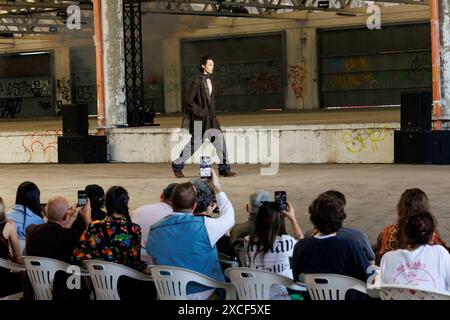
<point>404,292</point>
<point>105,276</point>
<point>327,286</point>
<point>41,272</point>
<point>13,267</point>
<point>171,282</point>
<point>254,284</point>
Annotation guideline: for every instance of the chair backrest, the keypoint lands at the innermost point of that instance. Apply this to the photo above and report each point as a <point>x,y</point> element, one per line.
<point>404,292</point>
<point>327,286</point>
<point>254,284</point>
<point>8,264</point>
<point>105,276</point>
<point>41,272</point>
<point>171,282</point>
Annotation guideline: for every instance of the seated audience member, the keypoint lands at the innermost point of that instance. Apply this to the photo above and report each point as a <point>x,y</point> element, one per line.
<point>56,239</point>
<point>242,230</point>
<point>391,237</point>
<point>418,262</point>
<point>354,234</point>
<point>187,241</point>
<point>269,247</point>
<point>147,215</point>
<point>9,282</point>
<point>28,208</point>
<point>117,239</point>
<point>205,207</point>
<point>325,252</point>
<point>96,196</point>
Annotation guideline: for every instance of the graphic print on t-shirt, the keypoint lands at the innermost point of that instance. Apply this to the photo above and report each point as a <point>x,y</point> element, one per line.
<point>414,273</point>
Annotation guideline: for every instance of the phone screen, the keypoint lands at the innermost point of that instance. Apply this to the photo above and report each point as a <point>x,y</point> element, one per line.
<point>281,199</point>
<point>82,198</point>
<point>205,167</point>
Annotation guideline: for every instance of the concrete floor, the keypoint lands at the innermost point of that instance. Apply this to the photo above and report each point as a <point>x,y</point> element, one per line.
<point>285,117</point>
<point>372,191</point>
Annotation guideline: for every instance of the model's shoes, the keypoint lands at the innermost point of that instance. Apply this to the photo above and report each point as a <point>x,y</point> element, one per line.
<point>178,173</point>
<point>227,173</point>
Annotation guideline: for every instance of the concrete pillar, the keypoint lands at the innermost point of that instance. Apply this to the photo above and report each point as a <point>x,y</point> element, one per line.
<point>114,63</point>
<point>301,91</point>
<point>172,76</point>
<point>63,86</point>
<point>444,30</point>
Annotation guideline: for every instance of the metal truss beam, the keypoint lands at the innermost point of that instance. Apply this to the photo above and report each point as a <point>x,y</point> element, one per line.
<point>134,65</point>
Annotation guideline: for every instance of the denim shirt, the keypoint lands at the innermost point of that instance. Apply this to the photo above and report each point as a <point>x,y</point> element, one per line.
<point>17,215</point>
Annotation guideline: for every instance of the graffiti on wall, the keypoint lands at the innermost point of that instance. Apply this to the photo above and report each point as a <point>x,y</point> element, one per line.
<point>172,82</point>
<point>42,145</point>
<point>418,68</point>
<point>261,77</point>
<point>25,88</point>
<point>9,107</point>
<point>85,93</point>
<point>357,141</point>
<point>297,80</point>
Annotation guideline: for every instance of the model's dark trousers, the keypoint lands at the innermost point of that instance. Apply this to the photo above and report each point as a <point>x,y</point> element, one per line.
<point>217,140</point>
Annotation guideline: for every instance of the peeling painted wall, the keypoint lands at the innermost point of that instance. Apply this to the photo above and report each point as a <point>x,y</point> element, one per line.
<point>347,143</point>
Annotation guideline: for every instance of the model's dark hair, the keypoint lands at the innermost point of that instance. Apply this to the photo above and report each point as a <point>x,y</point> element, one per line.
<point>327,211</point>
<point>411,201</point>
<point>184,196</point>
<point>269,223</point>
<point>29,196</point>
<point>117,201</point>
<point>419,228</point>
<point>203,61</point>
<point>96,196</point>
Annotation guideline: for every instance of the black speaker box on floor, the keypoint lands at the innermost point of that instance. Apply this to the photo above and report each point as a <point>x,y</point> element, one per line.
<point>413,147</point>
<point>82,149</point>
<point>441,147</point>
<point>75,120</point>
<point>416,110</point>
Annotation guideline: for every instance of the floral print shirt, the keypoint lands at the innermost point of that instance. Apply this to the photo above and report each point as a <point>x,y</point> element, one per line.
<point>388,241</point>
<point>113,239</point>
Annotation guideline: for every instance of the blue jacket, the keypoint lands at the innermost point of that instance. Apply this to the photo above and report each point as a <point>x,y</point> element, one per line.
<point>181,240</point>
<point>17,214</point>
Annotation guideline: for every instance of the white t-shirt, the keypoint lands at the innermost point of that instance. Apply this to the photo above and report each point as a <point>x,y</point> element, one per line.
<point>146,216</point>
<point>428,266</point>
<point>276,261</point>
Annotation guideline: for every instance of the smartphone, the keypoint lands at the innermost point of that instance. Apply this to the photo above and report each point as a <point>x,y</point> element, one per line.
<point>205,167</point>
<point>82,198</point>
<point>281,199</point>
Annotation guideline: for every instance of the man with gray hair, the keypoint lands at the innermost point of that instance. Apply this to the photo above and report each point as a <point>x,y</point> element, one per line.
<point>241,230</point>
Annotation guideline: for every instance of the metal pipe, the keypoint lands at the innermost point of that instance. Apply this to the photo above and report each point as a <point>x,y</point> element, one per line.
<point>436,64</point>
<point>98,39</point>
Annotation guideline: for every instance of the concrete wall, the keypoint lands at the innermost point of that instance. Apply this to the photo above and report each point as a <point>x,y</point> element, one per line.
<point>343,143</point>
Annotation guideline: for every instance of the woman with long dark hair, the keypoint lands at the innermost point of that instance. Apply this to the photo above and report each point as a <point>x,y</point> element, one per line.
<point>27,210</point>
<point>269,247</point>
<point>118,240</point>
<point>114,239</point>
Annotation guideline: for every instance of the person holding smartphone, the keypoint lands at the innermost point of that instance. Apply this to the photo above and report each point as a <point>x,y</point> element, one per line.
<point>269,247</point>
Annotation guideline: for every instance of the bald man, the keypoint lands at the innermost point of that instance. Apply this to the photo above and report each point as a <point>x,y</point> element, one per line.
<point>56,239</point>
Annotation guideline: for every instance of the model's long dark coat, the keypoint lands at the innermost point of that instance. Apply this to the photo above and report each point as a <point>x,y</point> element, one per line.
<point>199,105</point>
